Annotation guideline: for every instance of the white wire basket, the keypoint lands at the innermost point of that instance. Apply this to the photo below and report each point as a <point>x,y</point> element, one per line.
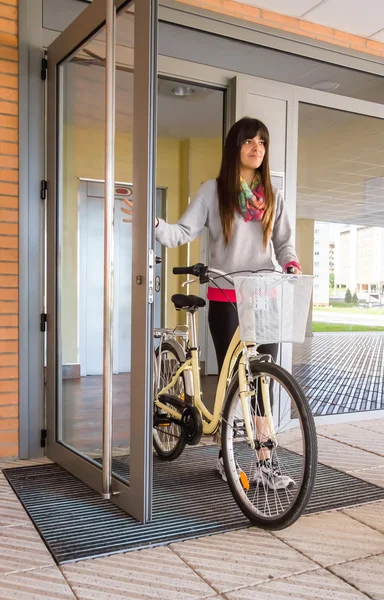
<point>273,307</point>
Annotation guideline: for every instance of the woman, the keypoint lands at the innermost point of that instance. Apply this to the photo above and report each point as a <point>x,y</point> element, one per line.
<point>247,222</point>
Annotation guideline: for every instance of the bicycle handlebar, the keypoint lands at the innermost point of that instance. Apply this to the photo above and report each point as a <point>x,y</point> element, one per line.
<point>196,270</point>
<point>202,271</point>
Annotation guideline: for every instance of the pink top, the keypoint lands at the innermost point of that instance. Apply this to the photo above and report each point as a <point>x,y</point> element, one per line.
<point>229,295</point>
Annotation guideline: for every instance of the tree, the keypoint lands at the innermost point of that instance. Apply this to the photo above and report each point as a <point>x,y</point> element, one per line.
<point>348,296</point>
<point>355,299</point>
<point>331,280</point>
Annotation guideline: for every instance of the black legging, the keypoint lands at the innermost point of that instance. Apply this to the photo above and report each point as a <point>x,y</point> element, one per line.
<point>223,322</point>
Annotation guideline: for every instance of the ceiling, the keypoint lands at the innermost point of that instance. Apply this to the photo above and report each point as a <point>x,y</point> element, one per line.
<point>341,155</point>
<point>340,175</point>
<point>359,18</point>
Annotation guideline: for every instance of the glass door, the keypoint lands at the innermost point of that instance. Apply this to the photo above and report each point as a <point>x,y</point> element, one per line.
<point>101,126</point>
<point>273,104</point>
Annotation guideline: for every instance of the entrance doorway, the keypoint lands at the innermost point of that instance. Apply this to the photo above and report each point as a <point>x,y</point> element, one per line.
<point>85,434</point>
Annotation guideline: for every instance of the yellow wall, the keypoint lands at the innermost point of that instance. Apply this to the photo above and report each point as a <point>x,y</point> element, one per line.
<point>181,167</point>
<point>205,158</point>
<point>84,157</point>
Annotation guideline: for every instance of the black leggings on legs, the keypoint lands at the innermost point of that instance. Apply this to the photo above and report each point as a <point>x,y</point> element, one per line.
<point>223,322</point>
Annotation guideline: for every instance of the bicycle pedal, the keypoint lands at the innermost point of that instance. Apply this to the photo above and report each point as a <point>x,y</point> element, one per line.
<point>244,481</point>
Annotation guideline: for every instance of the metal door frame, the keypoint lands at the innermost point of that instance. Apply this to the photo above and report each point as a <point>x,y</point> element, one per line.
<point>136,497</point>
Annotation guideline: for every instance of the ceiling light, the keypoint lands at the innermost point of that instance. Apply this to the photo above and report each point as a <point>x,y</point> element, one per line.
<point>183,90</point>
<point>325,86</point>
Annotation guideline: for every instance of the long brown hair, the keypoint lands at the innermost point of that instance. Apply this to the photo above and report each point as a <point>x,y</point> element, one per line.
<point>228,181</point>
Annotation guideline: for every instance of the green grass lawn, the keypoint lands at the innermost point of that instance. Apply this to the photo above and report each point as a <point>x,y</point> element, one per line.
<point>324,327</point>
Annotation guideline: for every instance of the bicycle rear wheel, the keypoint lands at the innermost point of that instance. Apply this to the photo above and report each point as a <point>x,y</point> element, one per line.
<point>168,439</point>
<point>272,483</point>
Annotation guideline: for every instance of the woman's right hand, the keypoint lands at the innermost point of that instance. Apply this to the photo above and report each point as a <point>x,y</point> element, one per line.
<point>128,211</point>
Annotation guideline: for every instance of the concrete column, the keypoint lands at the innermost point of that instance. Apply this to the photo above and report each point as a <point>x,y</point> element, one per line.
<point>305,233</point>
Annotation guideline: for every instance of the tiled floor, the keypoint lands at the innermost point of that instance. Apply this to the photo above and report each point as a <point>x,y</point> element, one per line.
<point>341,372</point>
<point>330,556</point>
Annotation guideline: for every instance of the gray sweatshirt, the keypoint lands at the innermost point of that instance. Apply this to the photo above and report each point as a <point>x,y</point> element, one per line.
<point>245,251</point>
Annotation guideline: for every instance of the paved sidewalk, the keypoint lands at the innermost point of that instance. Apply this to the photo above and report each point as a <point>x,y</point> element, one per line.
<point>337,555</point>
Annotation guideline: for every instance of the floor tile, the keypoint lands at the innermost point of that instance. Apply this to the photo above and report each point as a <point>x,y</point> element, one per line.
<point>11,511</point>
<point>240,558</point>
<point>370,514</point>
<point>14,463</point>
<point>375,475</point>
<point>372,425</point>
<point>367,575</point>
<point>314,585</point>
<point>5,488</point>
<point>345,458</point>
<point>37,584</point>
<point>21,548</point>
<point>147,574</point>
<point>358,437</point>
<point>331,538</point>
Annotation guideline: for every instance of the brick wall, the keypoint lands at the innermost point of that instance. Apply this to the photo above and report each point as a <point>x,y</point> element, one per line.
<point>304,28</point>
<point>8,228</point>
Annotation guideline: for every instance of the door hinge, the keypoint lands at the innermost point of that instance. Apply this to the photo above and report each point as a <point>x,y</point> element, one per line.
<point>44,68</point>
<point>43,322</point>
<point>43,189</point>
<point>43,438</point>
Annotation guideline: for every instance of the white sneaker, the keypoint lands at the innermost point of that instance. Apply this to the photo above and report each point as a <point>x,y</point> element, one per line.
<point>220,468</point>
<point>266,474</point>
<point>221,471</point>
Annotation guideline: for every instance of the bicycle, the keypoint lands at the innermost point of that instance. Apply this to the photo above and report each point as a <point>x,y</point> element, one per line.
<point>260,408</point>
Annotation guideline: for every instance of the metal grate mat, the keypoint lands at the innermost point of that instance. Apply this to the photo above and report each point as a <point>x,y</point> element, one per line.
<point>189,501</point>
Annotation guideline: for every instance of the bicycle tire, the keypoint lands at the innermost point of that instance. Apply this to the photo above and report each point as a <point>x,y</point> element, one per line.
<point>308,456</point>
<point>166,451</point>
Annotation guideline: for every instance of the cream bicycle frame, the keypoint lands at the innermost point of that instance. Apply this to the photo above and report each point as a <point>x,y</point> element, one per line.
<point>211,421</point>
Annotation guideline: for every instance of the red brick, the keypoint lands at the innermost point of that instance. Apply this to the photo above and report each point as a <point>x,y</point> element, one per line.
<point>8,216</point>
<point>8,121</point>
<point>9,320</point>
<point>9,12</point>
<point>7,39</point>
<point>278,18</point>
<point>8,108</point>
<point>9,53</point>
<point>8,241</point>
<point>9,67</point>
<point>8,437</point>
<point>9,346</point>
<point>9,360</point>
<point>9,175</point>
<point>373,45</point>
<point>9,148</point>
<point>9,372</point>
<point>9,411</point>
<point>9,450</point>
<point>9,81</point>
<point>9,281</point>
<point>8,386</point>
<point>9,255</point>
<point>8,135</point>
<point>7,399</point>
<point>8,26</point>
<point>7,229</point>
<point>9,201</point>
<point>9,268</point>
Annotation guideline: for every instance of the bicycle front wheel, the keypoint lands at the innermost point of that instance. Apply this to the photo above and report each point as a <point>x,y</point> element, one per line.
<point>168,440</point>
<point>271,483</point>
